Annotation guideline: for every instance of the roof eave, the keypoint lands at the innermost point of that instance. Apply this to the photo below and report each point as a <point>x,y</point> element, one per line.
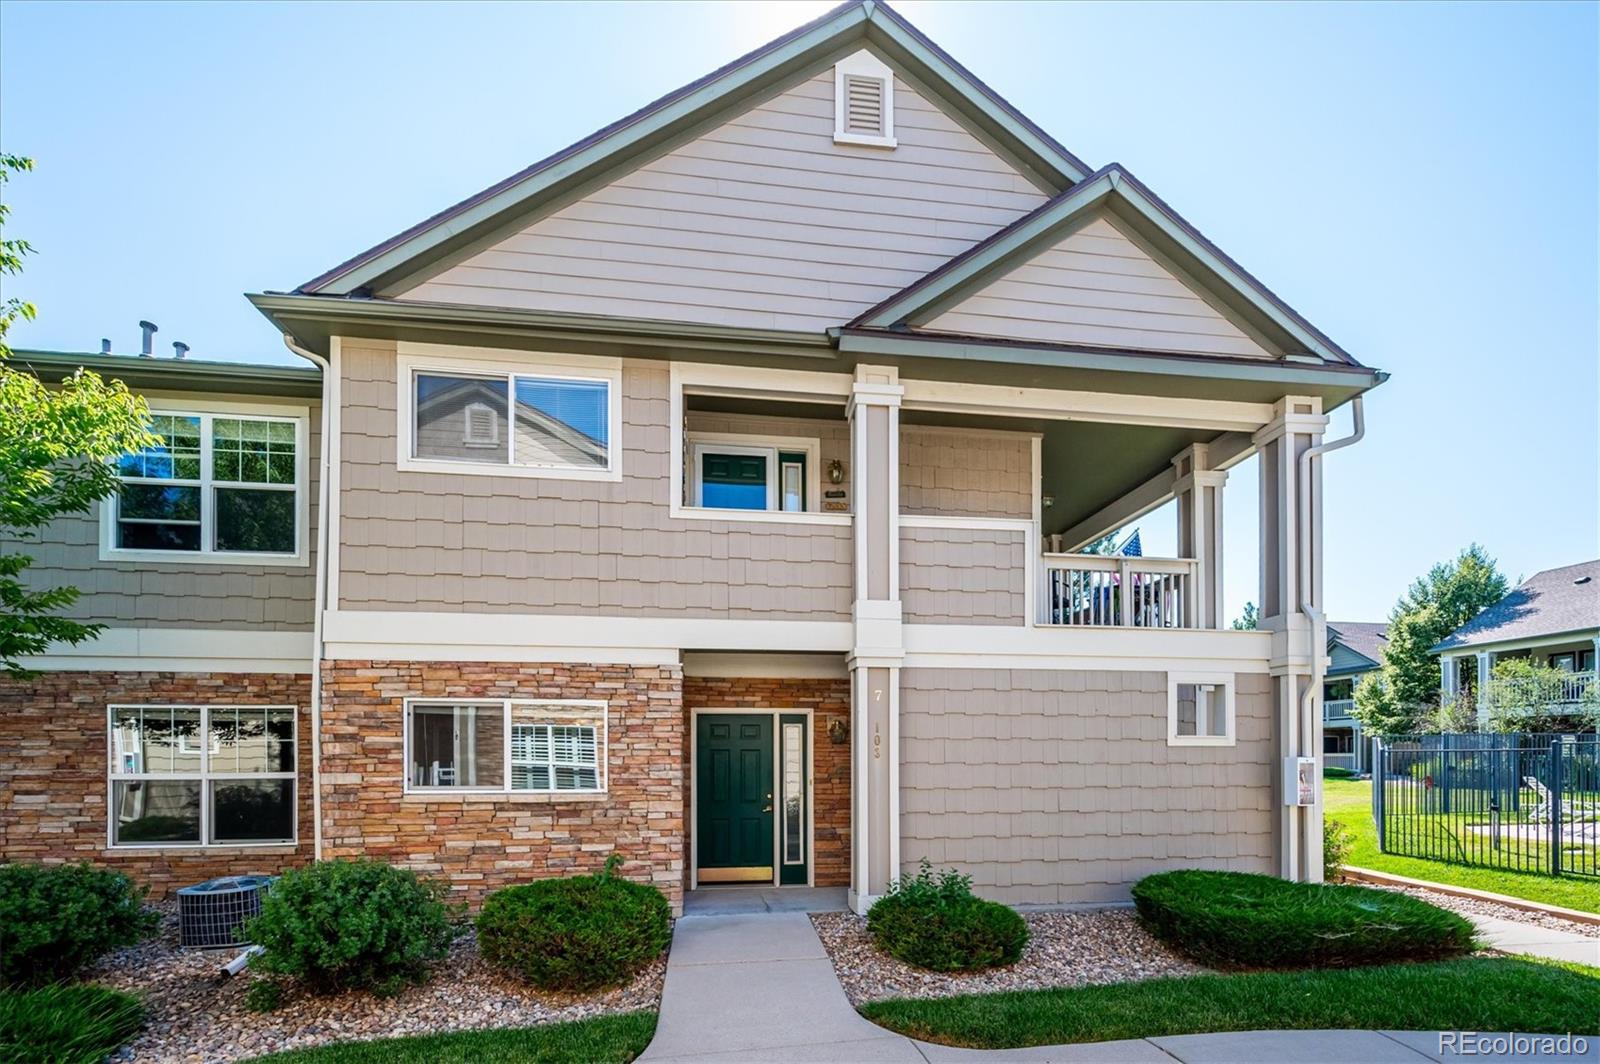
<point>171,374</point>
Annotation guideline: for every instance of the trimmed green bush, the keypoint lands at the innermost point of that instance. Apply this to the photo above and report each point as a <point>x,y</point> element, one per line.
<point>66,1024</point>
<point>55,919</point>
<point>1333,772</point>
<point>340,925</point>
<point>579,933</point>
<point>936,922</point>
<point>1240,920</point>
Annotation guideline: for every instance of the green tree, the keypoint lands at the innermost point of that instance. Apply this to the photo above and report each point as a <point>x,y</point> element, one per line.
<point>57,447</point>
<point>1403,696</point>
<point>1246,621</point>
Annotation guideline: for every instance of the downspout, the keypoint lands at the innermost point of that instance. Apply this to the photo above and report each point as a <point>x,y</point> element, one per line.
<point>324,463</point>
<point>1319,638</point>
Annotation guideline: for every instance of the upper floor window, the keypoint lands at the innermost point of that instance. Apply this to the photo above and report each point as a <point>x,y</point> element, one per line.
<point>553,420</point>
<point>863,101</point>
<point>750,473</point>
<point>217,484</point>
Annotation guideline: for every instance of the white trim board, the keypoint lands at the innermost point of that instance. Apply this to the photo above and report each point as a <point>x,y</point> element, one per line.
<point>958,646</point>
<point>183,650</point>
<point>780,666</point>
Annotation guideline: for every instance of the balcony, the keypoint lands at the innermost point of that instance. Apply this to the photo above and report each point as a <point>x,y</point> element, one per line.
<point>1337,710</point>
<point>1096,590</point>
<point>1569,691</point>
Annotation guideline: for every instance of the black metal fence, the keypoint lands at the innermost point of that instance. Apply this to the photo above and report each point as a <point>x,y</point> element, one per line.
<point>1524,802</point>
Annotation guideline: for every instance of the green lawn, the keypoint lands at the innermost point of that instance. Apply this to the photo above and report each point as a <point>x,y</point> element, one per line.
<point>66,1024</point>
<point>1350,802</point>
<point>601,1040</point>
<point>1473,994</point>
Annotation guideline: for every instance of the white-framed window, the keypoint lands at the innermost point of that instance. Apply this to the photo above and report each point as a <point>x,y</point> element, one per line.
<point>505,746</point>
<point>775,474</point>
<point>507,414</point>
<point>221,485</point>
<point>863,101</point>
<point>184,775</point>
<point>1200,709</point>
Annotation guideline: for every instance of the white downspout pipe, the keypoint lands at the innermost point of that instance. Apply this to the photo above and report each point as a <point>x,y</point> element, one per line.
<point>324,463</point>
<point>1319,624</point>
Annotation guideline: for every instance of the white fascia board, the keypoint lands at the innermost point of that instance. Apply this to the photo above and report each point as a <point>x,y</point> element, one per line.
<point>409,636</point>
<point>1222,415</point>
<point>1554,639</point>
<point>181,650</point>
<point>1121,649</point>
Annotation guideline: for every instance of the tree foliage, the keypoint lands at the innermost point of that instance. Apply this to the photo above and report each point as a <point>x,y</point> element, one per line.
<point>1530,696</point>
<point>56,448</point>
<point>1403,696</point>
<point>1247,621</point>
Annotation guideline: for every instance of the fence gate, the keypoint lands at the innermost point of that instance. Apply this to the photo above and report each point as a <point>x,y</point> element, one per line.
<point>1524,802</point>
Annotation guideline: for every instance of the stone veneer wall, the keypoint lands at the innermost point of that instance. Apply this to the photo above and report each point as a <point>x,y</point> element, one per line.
<point>479,843</point>
<point>828,700</point>
<point>54,761</point>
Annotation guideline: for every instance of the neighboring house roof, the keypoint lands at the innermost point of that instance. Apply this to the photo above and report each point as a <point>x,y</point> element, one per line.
<point>1110,189</point>
<point>1554,602</point>
<point>1365,638</point>
<point>412,251</point>
<point>184,375</point>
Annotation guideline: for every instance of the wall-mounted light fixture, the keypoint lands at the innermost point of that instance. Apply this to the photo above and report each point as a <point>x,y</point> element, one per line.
<point>1047,501</point>
<point>835,471</point>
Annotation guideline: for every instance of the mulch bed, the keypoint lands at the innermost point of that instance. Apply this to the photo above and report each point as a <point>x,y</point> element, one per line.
<point>192,1015</point>
<point>1064,949</point>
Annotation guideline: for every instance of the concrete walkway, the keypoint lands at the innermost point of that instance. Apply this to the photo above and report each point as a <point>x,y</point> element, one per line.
<point>757,987</point>
<point>1513,936</point>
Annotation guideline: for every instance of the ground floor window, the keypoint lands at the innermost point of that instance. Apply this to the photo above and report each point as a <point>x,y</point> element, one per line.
<point>1200,710</point>
<point>1338,742</point>
<point>202,775</point>
<point>505,745</point>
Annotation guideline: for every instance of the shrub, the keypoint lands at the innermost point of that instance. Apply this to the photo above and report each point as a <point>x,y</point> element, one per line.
<point>1239,920</point>
<point>337,925</point>
<point>66,1024</point>
<point>936,922</point>
<point>1336,844</point>
<point>579,933</point>
<point>55,919</point>
<point>1334,772</point>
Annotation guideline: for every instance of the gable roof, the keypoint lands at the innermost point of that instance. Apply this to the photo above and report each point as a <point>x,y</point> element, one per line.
<point>1552,602</point>
<point>1112,189</point>
<point>1363,637</point>
<point>409,254</point>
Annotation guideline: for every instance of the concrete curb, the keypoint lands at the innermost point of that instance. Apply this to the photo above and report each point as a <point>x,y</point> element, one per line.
<point>1366,875</point>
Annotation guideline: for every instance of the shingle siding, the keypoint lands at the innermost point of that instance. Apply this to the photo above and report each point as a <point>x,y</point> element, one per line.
<point>1057,787</point>
<point>965,473</point>
<point>962,575</point>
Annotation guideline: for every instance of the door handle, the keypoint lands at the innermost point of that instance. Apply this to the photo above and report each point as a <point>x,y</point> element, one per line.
<point>766,809</point>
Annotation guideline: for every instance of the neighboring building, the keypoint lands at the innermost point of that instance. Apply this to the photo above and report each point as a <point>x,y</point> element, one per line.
<point>1552,617</point>
<point>1355,648</point>
<point>684,496</point>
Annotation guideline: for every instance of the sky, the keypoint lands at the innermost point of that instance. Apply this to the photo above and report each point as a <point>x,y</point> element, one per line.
<point>1419,180</point>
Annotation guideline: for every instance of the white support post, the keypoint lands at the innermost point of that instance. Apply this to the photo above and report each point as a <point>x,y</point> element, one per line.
<point>1483,693</point>
<point>1198,489</point>
<point>874,412</point>
<point>1291,581</point>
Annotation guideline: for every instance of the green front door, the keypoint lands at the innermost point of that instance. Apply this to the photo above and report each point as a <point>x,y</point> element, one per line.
<point>733,796</point>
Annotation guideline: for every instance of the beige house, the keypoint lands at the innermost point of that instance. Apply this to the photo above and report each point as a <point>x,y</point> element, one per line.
<point>712,492</point>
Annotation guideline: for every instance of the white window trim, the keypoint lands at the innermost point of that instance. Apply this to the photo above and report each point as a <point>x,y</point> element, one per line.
<point>768,447</point>
<point>206,410</point>
<point>581,711</point>
<point>444,359</point>
<point>863,64</point>
<point>205,777</point>
<point>1225,681</point>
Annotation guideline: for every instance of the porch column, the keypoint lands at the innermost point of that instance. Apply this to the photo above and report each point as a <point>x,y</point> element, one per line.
<point>878,650</point>
<point>1447,677</point>
<point>1485,671</point>
<point>1198,490</point>
<point>1291,599</point>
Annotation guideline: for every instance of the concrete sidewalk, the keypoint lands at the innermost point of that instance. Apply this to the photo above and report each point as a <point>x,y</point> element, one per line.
<point>758,987</point>
<point>1513,936</point>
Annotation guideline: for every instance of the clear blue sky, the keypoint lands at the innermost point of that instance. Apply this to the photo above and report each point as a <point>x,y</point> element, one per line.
<point>1418,179</point>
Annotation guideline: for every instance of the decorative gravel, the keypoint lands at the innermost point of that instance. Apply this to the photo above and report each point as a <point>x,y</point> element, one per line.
<point>193,1015</point>
<point>1064,949</point>
<point>1474,907</point>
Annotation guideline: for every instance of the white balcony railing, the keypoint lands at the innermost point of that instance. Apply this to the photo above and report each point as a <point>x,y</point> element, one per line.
<point>1083,590</point>
<point>1570,689</point>
<point>1337,709</point>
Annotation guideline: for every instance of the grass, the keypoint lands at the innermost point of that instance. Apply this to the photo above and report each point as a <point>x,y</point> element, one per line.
<point>66,1024</point>
<point>1350,802</point>
<point>1473,994</point>
<point>600,1040</point>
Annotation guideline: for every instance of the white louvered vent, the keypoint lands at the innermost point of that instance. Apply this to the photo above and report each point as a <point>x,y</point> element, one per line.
<point>863,101</point>
<point>482,426</point>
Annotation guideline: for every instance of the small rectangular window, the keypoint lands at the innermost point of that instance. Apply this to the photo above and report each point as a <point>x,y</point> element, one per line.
<point>758,475</point>
<point>535,422</point>
<point>1200,710</point>
<point>506,746</point>
<point>211,775</point>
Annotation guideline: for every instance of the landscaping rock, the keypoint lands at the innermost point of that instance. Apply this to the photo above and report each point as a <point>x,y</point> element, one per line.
<point>1476,907</point>
<point>1064,949</point>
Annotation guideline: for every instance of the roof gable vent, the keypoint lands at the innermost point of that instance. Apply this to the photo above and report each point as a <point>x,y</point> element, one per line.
<point>863,101</point>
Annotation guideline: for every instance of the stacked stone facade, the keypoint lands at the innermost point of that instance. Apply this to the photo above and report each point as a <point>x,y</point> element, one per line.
<point>481,842</point>
<point>55,759</point>
<point>829,701</point>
